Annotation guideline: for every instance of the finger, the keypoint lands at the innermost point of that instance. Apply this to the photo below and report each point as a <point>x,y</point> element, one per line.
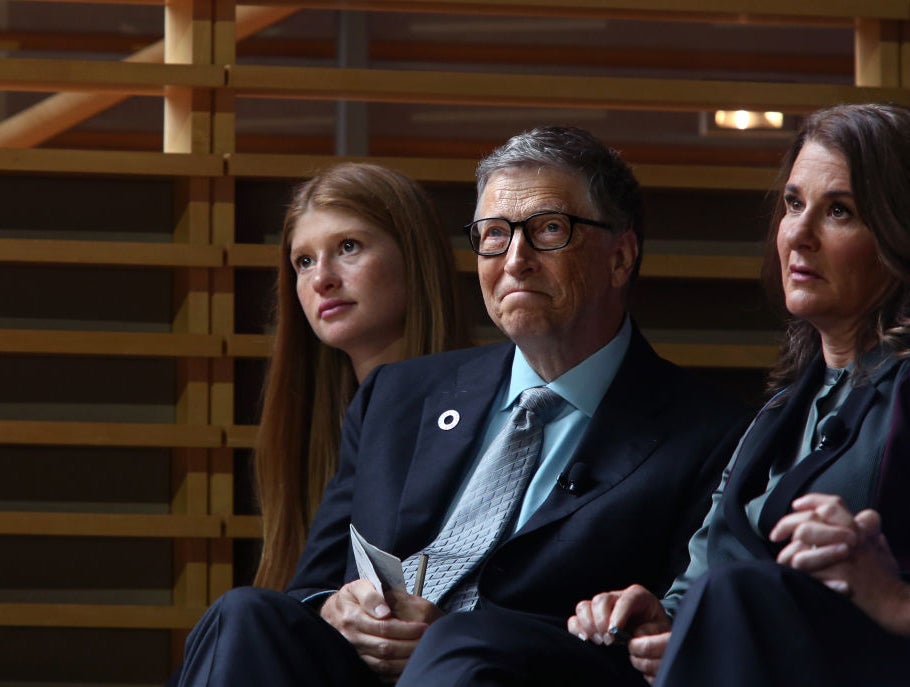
<point>649,646</point>
<point>829,508</point>
<point>815,559</point>
<point>582,623</point>
<point>785,557</point>
<point>814,533</point>
<point>646,653</point>
<point>391,629</point>
<point>813,501</point>
<point>602,609</point>
<point>839,586</point>
<point>635,607</point>
<point>368,598</point>
<point>408,607</point>
<point>835,512</point>
<point>869,523</point>
<point>784,528</point>
<point>646,666</point>
<point>384,649</point>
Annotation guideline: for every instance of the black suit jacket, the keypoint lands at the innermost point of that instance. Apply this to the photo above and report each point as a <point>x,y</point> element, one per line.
<point>653,451</point>
<point>867,464</point>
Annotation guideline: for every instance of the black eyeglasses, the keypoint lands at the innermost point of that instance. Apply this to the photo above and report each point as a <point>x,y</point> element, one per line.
<point>543,231</point>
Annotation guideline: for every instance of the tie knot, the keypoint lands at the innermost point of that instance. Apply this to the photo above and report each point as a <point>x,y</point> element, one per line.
<point>543,402</point>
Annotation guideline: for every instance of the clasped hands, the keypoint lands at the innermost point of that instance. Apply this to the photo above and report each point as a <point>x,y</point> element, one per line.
<point>847,553</point>
<point>383,629</point>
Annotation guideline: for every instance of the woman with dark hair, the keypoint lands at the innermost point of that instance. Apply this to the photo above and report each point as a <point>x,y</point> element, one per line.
<point>366,276</point>
<point>800,573</point>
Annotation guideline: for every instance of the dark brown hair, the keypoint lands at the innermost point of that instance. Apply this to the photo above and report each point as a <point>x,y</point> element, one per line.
<point>875,141</point>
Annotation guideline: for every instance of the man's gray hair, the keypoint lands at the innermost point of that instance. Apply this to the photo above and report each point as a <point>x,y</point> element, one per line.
<point>611,186</point>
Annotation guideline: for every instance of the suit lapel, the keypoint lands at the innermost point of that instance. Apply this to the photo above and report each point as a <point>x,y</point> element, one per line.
<point>795,481</point>
<point>772,434</point>
<point>442,455</point>
<point>624,431</point>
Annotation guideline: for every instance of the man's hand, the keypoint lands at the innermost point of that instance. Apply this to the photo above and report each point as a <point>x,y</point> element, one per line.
<point>849,554</point>
<point>637,613</point>
<point>384,638</point>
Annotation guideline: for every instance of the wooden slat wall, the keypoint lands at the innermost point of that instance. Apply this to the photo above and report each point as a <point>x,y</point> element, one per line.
<point>199,81</point>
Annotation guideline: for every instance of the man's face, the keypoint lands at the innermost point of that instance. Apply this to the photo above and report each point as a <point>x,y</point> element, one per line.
<point>569,301</point>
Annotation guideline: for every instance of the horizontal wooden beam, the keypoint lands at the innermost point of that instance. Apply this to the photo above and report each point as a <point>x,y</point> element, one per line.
<point>69,342</point>
<point>98,616</point>
<point>726,177</point>
<point>110,163</point>
<point>248,346</point>
<point>805,11</point>
<point>116,253</point>
<point>405,51</point>
<point>738,356</point>
<point>704,10</point>
<point>241,436</point>
<point>666,265</point>
<point>678,260</point>
<point>303,166</point>
<point>41,433</point>
<point>454,170</point>
<point>625,57</point>
<point>132,78</point>
<point>523,90</point>
<point>109,525</point>
<point>444,170</point>
<point>251,255</point>
<point>68,41</point>
<point>699,354</point>
<point>243,527</point>
<point>106,2</point>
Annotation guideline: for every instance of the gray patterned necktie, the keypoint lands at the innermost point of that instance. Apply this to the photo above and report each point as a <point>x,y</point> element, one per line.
<point>487,505</point>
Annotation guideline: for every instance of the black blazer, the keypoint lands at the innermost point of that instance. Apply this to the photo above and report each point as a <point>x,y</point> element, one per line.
<point>867,464</point>
<point>653,451</point>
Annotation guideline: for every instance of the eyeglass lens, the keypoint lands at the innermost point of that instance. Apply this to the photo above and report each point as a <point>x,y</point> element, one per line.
<point>546,231</point>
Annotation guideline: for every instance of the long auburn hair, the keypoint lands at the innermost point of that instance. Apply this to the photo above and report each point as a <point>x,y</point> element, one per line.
<point>875,141</point>
<point>309,385</point>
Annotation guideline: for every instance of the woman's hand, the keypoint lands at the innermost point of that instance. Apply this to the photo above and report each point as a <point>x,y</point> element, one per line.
<point>822,533</point>
<point>638,616</point>
<point>849,554</point>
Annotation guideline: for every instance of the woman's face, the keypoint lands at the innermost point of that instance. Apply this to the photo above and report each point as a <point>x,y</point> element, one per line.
<point>831,272</point>
<point>350,282</point>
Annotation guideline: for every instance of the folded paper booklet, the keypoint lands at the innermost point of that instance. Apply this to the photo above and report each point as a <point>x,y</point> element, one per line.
<point>378,566</point>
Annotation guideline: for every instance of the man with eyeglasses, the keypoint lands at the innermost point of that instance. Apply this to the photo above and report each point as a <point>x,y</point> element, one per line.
<point>530,473</point>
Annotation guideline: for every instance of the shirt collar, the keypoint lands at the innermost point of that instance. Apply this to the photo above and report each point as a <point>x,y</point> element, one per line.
<point>585,384</point>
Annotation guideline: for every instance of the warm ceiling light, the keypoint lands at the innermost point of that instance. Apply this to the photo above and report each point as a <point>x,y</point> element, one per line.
<point>745,119</point>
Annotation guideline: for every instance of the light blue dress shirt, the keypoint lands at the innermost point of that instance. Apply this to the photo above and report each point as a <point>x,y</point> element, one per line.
<point>583,387</point>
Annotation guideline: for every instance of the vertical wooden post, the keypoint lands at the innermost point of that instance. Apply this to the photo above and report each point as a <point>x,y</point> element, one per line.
<point>904,59</point>
<point>221,479</point>
<point>187,129</point>
<point>352,125</point>
<point>877,53</point>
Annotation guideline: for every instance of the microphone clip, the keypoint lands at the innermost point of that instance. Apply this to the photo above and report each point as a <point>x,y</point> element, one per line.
<point>573,479</point>
<point>833,432</point>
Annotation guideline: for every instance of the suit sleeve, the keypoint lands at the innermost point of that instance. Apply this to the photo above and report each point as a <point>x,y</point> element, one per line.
<point>894,479</point>
<point>698,543</point>
<point>698,555</point>
<point>323,562</point>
